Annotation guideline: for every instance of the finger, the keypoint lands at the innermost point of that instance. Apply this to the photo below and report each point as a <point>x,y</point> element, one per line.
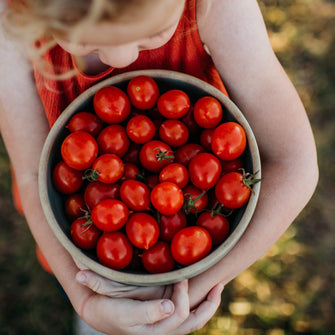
<point>181,312</point>
<point>126,314</point>
<point>110,288</point>
<point>203,313</point>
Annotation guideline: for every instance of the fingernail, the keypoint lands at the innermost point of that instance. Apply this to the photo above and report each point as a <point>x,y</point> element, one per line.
<point>167,306</point>
<point>81,277</point>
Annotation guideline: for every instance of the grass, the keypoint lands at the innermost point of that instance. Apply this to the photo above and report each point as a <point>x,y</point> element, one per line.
<point>290,289</point>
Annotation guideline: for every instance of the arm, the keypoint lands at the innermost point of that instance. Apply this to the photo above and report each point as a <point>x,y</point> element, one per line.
<point>24,127</point>
<point>235,34</point>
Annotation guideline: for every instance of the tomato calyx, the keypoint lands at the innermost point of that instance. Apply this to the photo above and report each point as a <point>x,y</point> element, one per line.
<point>163,155</point>
<point>189,202</point>
<point>220,209</point>
<point>249,179</point>
<point>91,175</point>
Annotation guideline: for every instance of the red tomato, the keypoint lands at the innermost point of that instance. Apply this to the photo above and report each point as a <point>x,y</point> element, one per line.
<point>131,171</point>
<point>207,112</point>
<point>232,166</point>
<point>191,244</point>
<point>204,170</point>
<point>171,224</point>
<point>175,173</point>
<point>158,259</point>
<point>114,250</point>
<point>65,179</point>
<point>185,153</point>
<point>111,104</point>
<point>133,153</point>
<point>97,191</point>
<point>174,133</point>
<point>135,195</point>
<point>75,206</point>
<point>85,121</point>
<point>190,123</point>
<point>109,168</point>
<point>110,214</point>
<point>154,155</point>
<point>173,104</point>
<point>84,233</point>
<point>229,141</point>
<point>79,150</point>
<point>167,198</point>
<point>232,191</point>
<point>216,224</point>
<point>152,180</point>
<point>143,92</point>
<point>206,138</point>
<point>113,140</point>
<point>140,129</point>
<point>196,200</point>
<point>142,230</point>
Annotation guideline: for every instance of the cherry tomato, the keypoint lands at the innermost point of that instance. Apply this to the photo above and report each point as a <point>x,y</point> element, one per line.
<point>135,195</point>
<point>167,198</point>
<point>109,168</point>
<point>191,244</point>
<point>84,233</point>
<point>190,123</point>
<point>174,133</point>
<point>142,230</point>
<point>131,171</point>
<point>65,179</point>
<point>133,153</point>
<point>171,224</point>
<point>158,259</point>
<point>85,121</point>
<point>207,112</point>
<point>113,140</point>
<point>97,191</point>
<point>154,155</point>
<point>143,92</point>
<point>229,141</point>
<point>114,250</point>
<point>232,166</point>
<point>152,180</point>
<point>79,150</point>
<point>216,224</point>
<point>196,200</point>
<point>185,153</point>
<point>204,170</point>
<point>75,206</point>
<point>140,129</point>
<point>111,104</point>
<point>175,173</point>
<point>173,104</point>
<point>206,138</point>
<point>110,214</point>
<point>232,191</point>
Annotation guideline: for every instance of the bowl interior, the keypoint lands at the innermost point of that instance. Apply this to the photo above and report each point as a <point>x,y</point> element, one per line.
<point>53,202</point>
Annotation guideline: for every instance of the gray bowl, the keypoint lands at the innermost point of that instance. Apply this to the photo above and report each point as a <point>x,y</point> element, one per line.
<point>53,203</point>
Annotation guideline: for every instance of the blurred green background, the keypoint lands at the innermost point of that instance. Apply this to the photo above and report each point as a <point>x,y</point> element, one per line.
<point>290,289</point>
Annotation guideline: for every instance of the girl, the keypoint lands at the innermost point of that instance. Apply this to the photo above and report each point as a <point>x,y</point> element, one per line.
<point>221,41</point>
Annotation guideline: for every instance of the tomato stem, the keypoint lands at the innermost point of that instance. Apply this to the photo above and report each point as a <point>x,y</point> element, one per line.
<point>161,155</point>
<point>249,179</point>
<point>189,202</point>
<point>91,175</point>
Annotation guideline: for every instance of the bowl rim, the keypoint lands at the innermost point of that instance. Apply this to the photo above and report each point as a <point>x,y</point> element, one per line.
<point>176,275</point>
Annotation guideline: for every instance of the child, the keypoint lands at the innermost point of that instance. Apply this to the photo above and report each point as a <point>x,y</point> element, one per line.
<point>110,37</point>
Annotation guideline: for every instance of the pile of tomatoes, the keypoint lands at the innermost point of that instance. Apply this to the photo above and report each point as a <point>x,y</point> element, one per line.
<point>148,178</point>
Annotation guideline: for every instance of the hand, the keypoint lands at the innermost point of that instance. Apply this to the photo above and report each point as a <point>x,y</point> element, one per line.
<point>104,286</point>
<point>162,316</point>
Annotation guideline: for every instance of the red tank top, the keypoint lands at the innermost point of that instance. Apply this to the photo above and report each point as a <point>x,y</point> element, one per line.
<point>184,53</point>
